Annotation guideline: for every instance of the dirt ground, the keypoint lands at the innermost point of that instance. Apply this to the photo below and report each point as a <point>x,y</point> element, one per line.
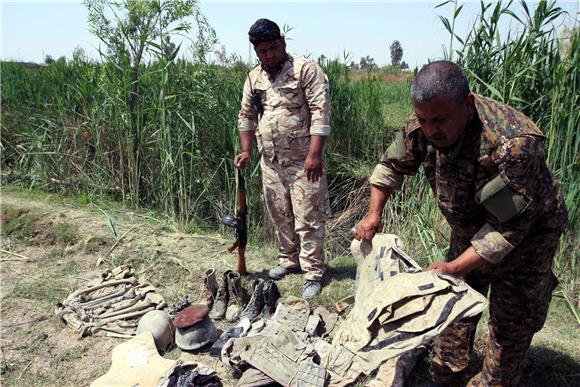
<point>50,247</point>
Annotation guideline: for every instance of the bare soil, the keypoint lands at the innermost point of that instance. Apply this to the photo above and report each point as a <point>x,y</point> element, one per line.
<point>50,247</point>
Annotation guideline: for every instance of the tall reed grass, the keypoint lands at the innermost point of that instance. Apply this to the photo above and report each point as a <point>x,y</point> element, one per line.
<point>65,128</point>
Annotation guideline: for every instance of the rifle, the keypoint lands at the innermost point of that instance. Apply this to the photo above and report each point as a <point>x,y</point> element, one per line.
<point>239,223</point>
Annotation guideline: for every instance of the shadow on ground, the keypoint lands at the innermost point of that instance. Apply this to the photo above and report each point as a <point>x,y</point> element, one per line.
<point>545,368</point>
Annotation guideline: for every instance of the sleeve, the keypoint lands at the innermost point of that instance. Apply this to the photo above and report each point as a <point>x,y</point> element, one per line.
<point>247,118</point>
<point>403,157</point>
<point>317,92</point>
<point>510,198</point>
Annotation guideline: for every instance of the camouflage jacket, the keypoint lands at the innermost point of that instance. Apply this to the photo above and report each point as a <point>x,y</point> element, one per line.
<point>493,186</point>
<point>296,105</point>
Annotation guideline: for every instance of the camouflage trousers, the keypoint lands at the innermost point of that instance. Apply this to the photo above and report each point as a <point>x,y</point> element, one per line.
<point>297,209</point>
<point>520,288</point>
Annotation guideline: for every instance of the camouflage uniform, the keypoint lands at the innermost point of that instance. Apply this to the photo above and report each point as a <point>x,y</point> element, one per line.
<point>499,196</point>
<point>296,106</point>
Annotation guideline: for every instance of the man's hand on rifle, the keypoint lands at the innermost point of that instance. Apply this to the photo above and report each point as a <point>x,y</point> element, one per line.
<point>241,159</point>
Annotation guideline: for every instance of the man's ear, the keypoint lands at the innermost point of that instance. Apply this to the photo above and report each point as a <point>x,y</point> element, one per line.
<point>470,104</point>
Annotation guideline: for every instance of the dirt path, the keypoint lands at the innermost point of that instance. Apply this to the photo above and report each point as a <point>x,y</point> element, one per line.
<point>64,239</point>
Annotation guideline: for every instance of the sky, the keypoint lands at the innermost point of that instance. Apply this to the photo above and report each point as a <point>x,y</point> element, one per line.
<point>336,29</point>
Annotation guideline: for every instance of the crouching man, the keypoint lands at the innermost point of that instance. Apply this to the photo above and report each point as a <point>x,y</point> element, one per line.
<point>486,166</point>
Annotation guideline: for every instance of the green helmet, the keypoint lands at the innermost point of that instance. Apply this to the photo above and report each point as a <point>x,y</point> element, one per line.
<point>161,327</point>
<point>197,335</point>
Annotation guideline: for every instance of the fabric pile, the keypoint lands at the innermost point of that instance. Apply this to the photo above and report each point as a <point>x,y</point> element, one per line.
<point>398,308</point>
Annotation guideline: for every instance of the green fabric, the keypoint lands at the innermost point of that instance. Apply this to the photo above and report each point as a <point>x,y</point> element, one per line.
<point>501,200</point>
<point>397,149</point>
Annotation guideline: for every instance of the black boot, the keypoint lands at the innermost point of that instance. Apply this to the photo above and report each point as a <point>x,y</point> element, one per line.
<point>256,304</point>
<point>271,296</point>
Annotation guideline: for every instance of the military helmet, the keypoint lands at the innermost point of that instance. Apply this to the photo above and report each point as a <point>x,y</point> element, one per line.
<point>161,327</point>
<point>194,328</point>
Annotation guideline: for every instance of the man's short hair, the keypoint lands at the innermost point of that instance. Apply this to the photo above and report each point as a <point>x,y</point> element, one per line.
<point>438,78</point>
<point>264,30</point>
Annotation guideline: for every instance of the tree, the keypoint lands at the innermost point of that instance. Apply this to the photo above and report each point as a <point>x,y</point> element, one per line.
<point>367,63</point>
<point>79,54</point>
<point>396,53</point>
<point>48,59</point>
<point>131,29</point>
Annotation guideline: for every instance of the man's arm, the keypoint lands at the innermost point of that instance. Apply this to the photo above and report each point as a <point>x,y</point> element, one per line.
<point>317,93</point>
<point>403,157</point>
<point>313,162</point>
<point>246,139</point>
<point>247,123</point>
<point>511,203</point>
<point>371,224</point>
<point>466,262</point>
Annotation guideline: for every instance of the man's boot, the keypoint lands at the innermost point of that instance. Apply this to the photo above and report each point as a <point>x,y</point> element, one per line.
<point>237,296</point>
<point>210,288</point>
<point>222,299</point>
<point>256,303</point>
<point>271,296</point>
<point>311,289</point>
<point>280,272</point>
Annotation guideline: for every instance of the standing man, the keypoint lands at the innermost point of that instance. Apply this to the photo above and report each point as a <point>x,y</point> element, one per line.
<point>485,164</point>
<point>286,107</point>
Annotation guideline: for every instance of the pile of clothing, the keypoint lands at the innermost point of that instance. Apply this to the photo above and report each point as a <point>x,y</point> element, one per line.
<point>398,308</point>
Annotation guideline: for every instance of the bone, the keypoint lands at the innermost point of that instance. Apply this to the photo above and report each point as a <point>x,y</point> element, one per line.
<point>119,306</point>
<point>131,281</point>
<point>85,298</point>
<point>129,295</point>
<point>88,328</point>
<point>138,306</point>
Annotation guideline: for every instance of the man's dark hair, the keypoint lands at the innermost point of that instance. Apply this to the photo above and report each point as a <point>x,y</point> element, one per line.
<point>438,78</point>
<point>264,30</point>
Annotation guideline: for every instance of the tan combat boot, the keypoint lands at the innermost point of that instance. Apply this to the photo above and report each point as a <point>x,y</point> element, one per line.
<point>238,298</point>
<point>210,288</point>
<point>222,299</point>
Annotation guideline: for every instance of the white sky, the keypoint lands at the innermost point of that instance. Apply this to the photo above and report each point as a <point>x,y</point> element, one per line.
<point>32,29</point>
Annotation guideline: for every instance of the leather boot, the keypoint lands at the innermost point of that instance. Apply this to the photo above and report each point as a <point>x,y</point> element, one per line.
<point>271,296</point>
<point>237,296</point>
<point>256,303</point>
<point>222,299</point>
<point>210,288</point>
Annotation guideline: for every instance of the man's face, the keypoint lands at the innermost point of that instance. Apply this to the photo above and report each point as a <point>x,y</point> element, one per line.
<point>271,54</point>
<point>444,120</point>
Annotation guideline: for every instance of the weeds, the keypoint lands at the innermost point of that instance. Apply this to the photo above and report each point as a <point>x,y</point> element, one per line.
<point>67,128</point>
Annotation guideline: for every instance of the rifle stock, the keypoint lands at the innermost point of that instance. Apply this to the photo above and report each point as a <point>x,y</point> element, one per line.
<point>242,230</point>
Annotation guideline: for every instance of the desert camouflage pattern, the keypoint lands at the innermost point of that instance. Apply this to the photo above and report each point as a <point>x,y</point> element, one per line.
<point>504,147</point>
<point>296,105</point>
<point>298,209</point>
<point>398,308</point>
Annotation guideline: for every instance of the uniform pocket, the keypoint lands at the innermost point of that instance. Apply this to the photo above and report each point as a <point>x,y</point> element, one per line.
<point>299,144</point>
<point>501,200</point>
<point>291,95</point>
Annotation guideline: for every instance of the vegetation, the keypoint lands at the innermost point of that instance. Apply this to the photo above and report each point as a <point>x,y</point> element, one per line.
<point>165,138</point>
